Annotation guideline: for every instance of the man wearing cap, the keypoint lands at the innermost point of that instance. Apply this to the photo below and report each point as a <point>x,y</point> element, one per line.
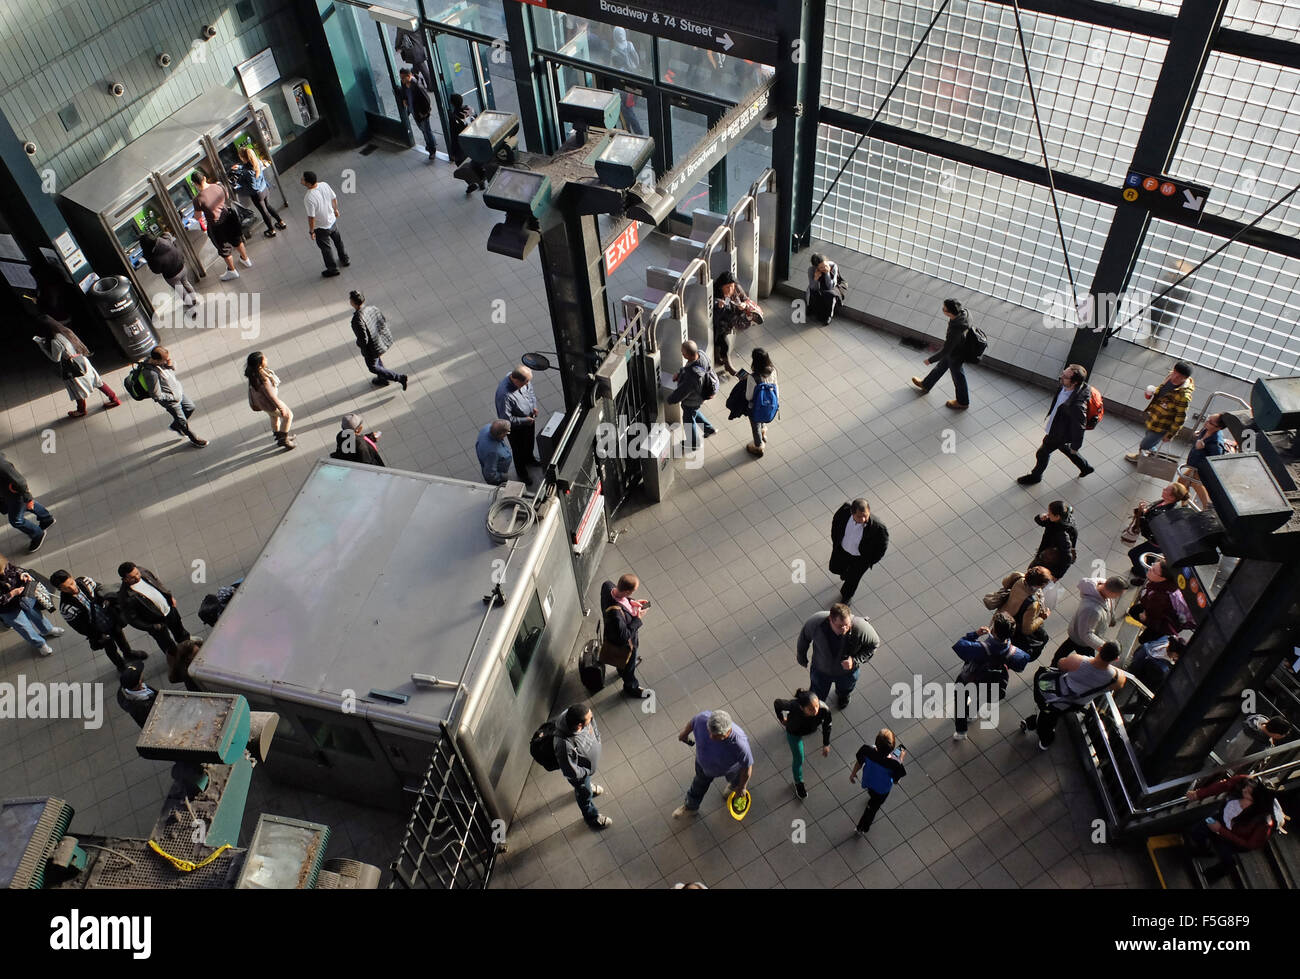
<point>1164,416</point>
<point>721,750</point>
<point>354,445</point>
<point>493,452</point>
<point>135,696</point>
<point>516,402</point>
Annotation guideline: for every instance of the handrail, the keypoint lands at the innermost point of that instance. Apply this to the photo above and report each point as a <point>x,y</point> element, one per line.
<point>765,184</point>
<point>748,204</point>
<point>671,302</point>
<point>1205,408</point>
<point>713,243</point>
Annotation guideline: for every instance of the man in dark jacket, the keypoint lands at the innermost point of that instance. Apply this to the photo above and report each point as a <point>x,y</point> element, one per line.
<point>950,358</point>
<point>148,605</point>
<point>621,614</point>
<point>354,445</point>
<point>858,541</point>
<point>164,258</point>
<point>135,696</point>
<point>17,500</point>
<point>421,106</point>
<point>373,340</point>
<point>409,46</point>
<point>89,611</point>
<point>841,643</point>
<point>1066,421</point>
<point>461,116</point>
<point>577,748</point>
<point>689,393</point>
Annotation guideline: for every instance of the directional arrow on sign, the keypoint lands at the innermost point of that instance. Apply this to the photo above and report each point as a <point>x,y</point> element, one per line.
<point>1192,201</point>
<point>725,41</point>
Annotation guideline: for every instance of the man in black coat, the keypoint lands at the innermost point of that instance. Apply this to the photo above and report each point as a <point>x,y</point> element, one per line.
<point>858,541</point>
<point>88,610</point>
<point>950,358</point>
<point>148,605</point>
<point>421,106</point>
<point>135,696</point>
<point>1066,422</point>
<point>354,444</point>
<point>621,614</point>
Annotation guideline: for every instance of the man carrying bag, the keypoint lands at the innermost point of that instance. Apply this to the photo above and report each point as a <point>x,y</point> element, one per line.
<point>621,620</point>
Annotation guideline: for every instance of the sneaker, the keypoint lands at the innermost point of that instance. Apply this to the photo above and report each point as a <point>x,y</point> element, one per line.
<point>800,790</point>
<point>637,693</point>
<point>959,735</point>
<point>327,274</point>
<point>919,384</point>
<point>710,432</point>
<point>754,450</point>
<point>36,543</point>
<point>860,834</point>
<point>198,443</point>
<point>1086,471</point>
<point>45,650</point>
<point>1133,456</point>
<point>49,522</point>
<point>345,262</point>
<point>1128,538</point>
<point>55,632</point>
<point>379,382</point>
<point>682,811</point>
<point>1029,479</point>
<point>402,381</point>
<point>248,262</point>
<point>956,405</point>
<point>604,822</point>
<point>229,274</point>
<point>598,790</point>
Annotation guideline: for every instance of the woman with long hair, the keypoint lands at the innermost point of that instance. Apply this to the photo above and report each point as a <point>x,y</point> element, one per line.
<point>1248,818</point>
<point>75,368</point>
<point>264,395</point>
<point>732,310</point>
<point>761,410</point>
<point>802,716</point>
<point>260,190</point>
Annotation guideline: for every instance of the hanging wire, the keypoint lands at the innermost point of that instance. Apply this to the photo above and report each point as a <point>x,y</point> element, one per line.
<point>1195,268</point>
<point>1047,163</point>
<point>881,108</point>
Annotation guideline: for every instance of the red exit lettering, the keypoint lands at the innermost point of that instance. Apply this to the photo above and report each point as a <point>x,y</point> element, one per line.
<point>623,246</point>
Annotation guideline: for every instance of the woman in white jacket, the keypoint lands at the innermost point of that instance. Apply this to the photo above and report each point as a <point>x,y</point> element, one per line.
<point>77,372</point>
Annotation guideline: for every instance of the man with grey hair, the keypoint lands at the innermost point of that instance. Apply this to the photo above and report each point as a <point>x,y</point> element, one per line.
<point>721,750</point>
<point>516,402</point>
<point>493,452</point>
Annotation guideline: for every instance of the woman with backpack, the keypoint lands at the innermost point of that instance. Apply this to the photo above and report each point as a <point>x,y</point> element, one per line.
<point>79,375</point>
<point>1056,551</point>
<point>264,395</point>
<point>986,654</point>
<point>1025,605</point>
<point>762,398</point>
<point>951,357</point>
<point>259,190</point>
<point>732,310</point>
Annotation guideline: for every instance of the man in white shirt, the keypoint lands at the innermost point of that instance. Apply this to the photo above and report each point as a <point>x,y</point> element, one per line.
<point>1067,420</point>
<point>322,207</point>
<point>148,605</point>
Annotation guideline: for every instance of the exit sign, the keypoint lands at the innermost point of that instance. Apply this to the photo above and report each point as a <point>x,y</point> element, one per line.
<point>622,246</point>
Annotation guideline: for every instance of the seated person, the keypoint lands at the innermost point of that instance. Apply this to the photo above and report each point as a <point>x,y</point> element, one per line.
<point>1249,816</point>
<point>825,293</point>
<point>1172,496</point>
<point>1211,439</point>
<point>1152,661</point>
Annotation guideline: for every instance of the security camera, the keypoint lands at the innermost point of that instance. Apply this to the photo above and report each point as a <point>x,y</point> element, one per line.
<point>116,89</point>
<point>29,148</point>
<point>769,122</point>
<point>209,32</point>
<point>164,60</point>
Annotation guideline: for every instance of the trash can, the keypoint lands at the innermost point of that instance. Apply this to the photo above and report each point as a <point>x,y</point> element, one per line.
<point>132,330</point>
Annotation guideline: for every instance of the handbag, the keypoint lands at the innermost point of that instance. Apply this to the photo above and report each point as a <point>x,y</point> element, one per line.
<point>994,600</point>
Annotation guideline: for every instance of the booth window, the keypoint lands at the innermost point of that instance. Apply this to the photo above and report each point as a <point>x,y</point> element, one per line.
<point>336,737</point>
<point>527,639</point>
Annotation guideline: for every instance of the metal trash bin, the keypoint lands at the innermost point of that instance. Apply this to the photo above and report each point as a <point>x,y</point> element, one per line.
<point>130,325</point>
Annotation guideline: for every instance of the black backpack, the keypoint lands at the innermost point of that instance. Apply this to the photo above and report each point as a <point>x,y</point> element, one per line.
<point>542,747</point>
<point>709,383</point>
<point>991,670</point>
<point>974,343</point>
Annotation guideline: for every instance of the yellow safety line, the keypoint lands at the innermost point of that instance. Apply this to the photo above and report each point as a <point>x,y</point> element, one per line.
<point>188,865</point>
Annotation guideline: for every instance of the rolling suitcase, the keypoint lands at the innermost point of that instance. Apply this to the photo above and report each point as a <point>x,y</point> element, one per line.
<point>591,671</point>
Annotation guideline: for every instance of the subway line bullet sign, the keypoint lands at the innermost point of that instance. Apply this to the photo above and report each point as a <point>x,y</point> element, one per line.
<point>1168,197</point>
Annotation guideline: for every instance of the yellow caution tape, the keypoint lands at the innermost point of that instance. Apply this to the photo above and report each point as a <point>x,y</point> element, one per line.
<point>188,865</point>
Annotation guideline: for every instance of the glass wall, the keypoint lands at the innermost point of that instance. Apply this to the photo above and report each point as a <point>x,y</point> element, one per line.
<point>599,44</point>
<point>1276,18</point>
<point>480,16</point>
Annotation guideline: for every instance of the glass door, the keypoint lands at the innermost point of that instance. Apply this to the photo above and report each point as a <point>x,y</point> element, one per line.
<point>457,71</point>
<point>688,122</point>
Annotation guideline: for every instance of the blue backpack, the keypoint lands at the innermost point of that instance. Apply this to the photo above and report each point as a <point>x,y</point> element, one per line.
<point>765,403</point>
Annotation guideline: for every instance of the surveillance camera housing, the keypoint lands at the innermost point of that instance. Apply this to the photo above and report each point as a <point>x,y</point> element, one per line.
<point>116,89</point>
<point>649,206</point>
<point>209,32</point>
<point>164,60</point>
<point>29,148</point>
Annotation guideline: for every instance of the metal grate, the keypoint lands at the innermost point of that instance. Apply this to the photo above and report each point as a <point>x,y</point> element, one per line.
<point>1243,138</point>
<point>448,843</point>
<point>968,84</point>
<point>991,233</point>
<point>138,867</point>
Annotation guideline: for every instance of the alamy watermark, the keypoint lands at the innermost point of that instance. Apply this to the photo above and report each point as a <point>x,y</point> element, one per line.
<point>240,311</point>
<point>641,441</point>
<point>1095,311</point>
<point>36,700</point>
<point>919,700</point>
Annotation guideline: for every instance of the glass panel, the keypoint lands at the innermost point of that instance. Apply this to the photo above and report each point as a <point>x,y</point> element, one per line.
<point>689,128</point>
<point>458,71</point>
<point>711,73</point>
<point>593,42</point>
<point>746,162</point>
<point>968,82</point>
<point>1277,18</point>
<point>994,234</point>
<point>1243,139</point>
<point>1236,315</point>
<point>527,639</point>
<point>481,16</point>
<point>1170,7</point>
<point>374,36</point>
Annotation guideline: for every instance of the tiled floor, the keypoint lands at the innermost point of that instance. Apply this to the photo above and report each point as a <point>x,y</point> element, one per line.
<point>718,559</point>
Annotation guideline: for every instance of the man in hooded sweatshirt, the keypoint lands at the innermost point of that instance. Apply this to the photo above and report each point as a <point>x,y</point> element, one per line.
<point>577,749</point>
<point>1097,597</point>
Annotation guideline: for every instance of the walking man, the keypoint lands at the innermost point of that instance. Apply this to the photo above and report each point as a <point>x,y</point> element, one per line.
<point>17,499</point>
<point>162,384</point>
<point>516,402</point>
<point>224,229</point>
<point>373,340</point>
<point>799,717</point>
<point>622,622</point>
<point>493,452</point>
<point>721,751</point>
<point>1164,416</point>
<point>421,106</point>
<point>1066,421</point>
<point>322,207</point>
<point>577,749</point>
<point>858,541</point>
<point>91,612</point>
<point>1096,609</point>
<point>690,393</point>
<point>148,605</point>
<point>841,643</point>
<point>950,358</point>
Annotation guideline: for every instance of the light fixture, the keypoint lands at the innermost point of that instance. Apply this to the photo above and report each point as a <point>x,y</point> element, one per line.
<point>586,107</point>
<point>513,237</point>
<point>538,360</point>
<point>208,32</point>
<point>488,134</point>
<point>29,148</point>
<point>519,192</point>
<point>769,122</point>
<point>621,162</point>
<point>394,18</point>
<point>1245,493</point>
<point>164,60</point>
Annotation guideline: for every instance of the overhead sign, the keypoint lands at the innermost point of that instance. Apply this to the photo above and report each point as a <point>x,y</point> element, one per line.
<point>1168,197</point>
<point>696,31</point>
<point>622,246</point>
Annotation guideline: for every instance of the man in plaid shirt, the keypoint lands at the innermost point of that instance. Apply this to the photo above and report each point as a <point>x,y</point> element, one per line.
<point>373,339</point>
<point>1164,415</point>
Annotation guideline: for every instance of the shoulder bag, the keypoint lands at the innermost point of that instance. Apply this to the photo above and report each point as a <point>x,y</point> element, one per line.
<point>613,653</point>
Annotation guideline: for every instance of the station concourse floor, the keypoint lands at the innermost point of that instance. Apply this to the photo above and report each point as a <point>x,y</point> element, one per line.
<point>716,560</point>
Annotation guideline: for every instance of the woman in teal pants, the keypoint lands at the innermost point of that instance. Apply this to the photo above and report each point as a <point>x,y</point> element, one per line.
<point>802,716</point>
